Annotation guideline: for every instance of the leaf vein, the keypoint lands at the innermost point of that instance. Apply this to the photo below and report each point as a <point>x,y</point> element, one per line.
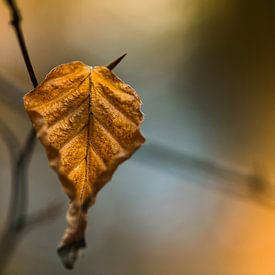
<point>109,132</point>
<point>87,157</point>
<point>98,156</point>
<point>73,136</point>
<point>116,106</point>
<point>69,112</point>
<point>62,95</point>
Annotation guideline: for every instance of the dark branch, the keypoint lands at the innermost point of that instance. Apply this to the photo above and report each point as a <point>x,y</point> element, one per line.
<point>114,63</point>
<point>16,23</point>
<point>18,203</point>
<point>19,192</point>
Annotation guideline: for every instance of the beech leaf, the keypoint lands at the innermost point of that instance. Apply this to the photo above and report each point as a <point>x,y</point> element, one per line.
<point>88,121</point>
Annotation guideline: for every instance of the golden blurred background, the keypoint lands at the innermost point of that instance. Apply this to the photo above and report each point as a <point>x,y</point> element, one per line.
<point>198,198</point>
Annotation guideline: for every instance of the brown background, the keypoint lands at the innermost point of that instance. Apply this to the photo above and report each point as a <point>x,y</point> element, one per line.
<point>183,203</point>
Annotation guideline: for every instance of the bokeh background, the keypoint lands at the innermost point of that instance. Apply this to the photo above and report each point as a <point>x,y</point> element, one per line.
<point>198,197</point>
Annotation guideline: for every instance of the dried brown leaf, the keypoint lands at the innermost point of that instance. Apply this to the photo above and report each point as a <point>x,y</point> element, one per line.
<point>88,120</point>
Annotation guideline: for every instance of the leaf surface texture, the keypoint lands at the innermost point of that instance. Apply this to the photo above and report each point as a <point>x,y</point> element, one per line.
<point>88,120</point>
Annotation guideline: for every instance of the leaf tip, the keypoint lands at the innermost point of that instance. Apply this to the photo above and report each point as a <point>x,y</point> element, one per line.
<point>73,239</point>
<point>69,253</point>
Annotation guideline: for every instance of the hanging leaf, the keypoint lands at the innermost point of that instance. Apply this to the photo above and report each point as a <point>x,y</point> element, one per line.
<point>88,120</point>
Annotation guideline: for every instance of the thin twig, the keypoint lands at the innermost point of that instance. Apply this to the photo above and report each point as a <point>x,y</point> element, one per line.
<point>16,23</point>
<point>19,192</point>
<point>18,203</point>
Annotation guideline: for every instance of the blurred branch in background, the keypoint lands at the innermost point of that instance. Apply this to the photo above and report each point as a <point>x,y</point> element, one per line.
<point>249,185</point>
<point>10,95</point>
<point>18,221</point>
<point>14,229</point>
<point>18,205</point>
<point>10,140</point>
